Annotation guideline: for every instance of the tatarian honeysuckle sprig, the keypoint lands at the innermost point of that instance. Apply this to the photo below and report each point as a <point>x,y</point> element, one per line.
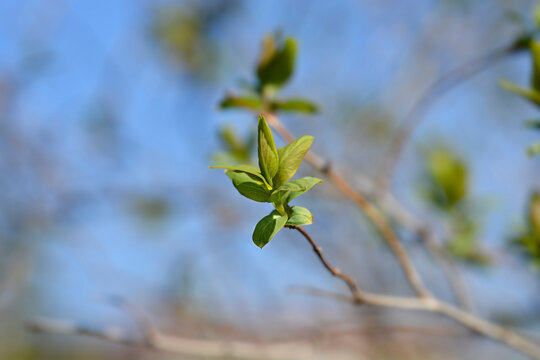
<point>271,183</point>
<point>273,71</point>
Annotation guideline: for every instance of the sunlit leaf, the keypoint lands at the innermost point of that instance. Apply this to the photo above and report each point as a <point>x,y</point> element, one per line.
<point>268,227</point>
<point>530,95</point>
<point>288,191</point>
<point>268,155</point>
<point>299,216</point>
<point>290,157</point>
<point>243,168</point>
<point>249,185</point>
<point>251,103</point>
<point>276,63</point>
<point>296,105</point>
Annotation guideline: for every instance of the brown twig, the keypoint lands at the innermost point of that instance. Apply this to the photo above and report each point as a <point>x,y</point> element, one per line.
<point>393,208</point>
<point>429,304</point>
<point>179,345</point>
<point>374,215</point>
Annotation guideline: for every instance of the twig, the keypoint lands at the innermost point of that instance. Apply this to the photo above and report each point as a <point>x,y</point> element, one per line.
<point>392,207</point>
<point>179,345</point>
<point>429,304</point>
<point>375,216</point>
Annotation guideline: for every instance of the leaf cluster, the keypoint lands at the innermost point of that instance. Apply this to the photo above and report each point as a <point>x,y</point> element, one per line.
<point>446,188</point>
<point>270,182</point>
<point>273,71</point>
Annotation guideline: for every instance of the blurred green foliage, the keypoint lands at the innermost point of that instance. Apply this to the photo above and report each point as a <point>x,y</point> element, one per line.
<point>185,33</point>
<point>528,242</point>
<point>446,188</point>
<point>235,149</point>
<point>273,71</point>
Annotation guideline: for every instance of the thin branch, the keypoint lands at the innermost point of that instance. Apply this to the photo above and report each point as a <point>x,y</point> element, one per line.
<point>430,304</point>
<point>392,207</point>
<point>375,216</point>
<point>440,87</point>
<point>178,345</point>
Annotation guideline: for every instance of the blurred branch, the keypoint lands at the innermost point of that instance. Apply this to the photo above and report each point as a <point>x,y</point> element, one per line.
<point>155,340</point>
<point>428,304</point>
<point>440,87</point>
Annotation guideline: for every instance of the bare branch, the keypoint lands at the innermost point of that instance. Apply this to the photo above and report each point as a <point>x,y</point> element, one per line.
<point>429,304</point>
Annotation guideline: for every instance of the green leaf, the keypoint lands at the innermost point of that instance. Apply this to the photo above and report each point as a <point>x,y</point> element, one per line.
<point>276,63</point>
<point>251,103</point>
<point>268,155</point>
<point>533,149</point>
<point>298,105</point>
<point>535,78</point>
<point>268,227</point>
<point>290,157</point>
<point>243,168</point>
<point>249,185</point>
<point>299,216</point>
<point>447,177</point>
<point>534,214</point>
<point>288,191</point>
<point>531,95</point>
<point>533,124</point>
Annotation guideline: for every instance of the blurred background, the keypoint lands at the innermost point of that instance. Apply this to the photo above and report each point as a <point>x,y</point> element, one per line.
<point>109,120</point>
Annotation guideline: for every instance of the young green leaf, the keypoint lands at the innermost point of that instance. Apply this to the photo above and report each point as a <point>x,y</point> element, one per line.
<point>288,191</point>
<point>290,157</point>
<point>267,228</point>
<point>245,169</point>
<point>268,155</point>
<point>276,64</point>
<point>298,105</point>
<point>299,216</point>
<point>531,95</point>
<point>249,185</point>
<point>251,103</point>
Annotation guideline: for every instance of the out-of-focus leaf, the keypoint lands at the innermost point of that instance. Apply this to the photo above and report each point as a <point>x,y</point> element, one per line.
<point>447,178</point>
<point>534,214</point>
<point>268,227</point>
<point>243,168</point>
<point>249,185</point>
<point>237,150</point>
<point>276,63</point>
<point>268,155</point>
<point>529,94</point>
<point>535,77</point>
<point>297,105</point>
<point>533,149</point>
<point>533,124</point>
<point>464,244</point>
<point>290,157</point>
<point>288,191</point>
<point>299,216</point>
<point>251,103</point>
